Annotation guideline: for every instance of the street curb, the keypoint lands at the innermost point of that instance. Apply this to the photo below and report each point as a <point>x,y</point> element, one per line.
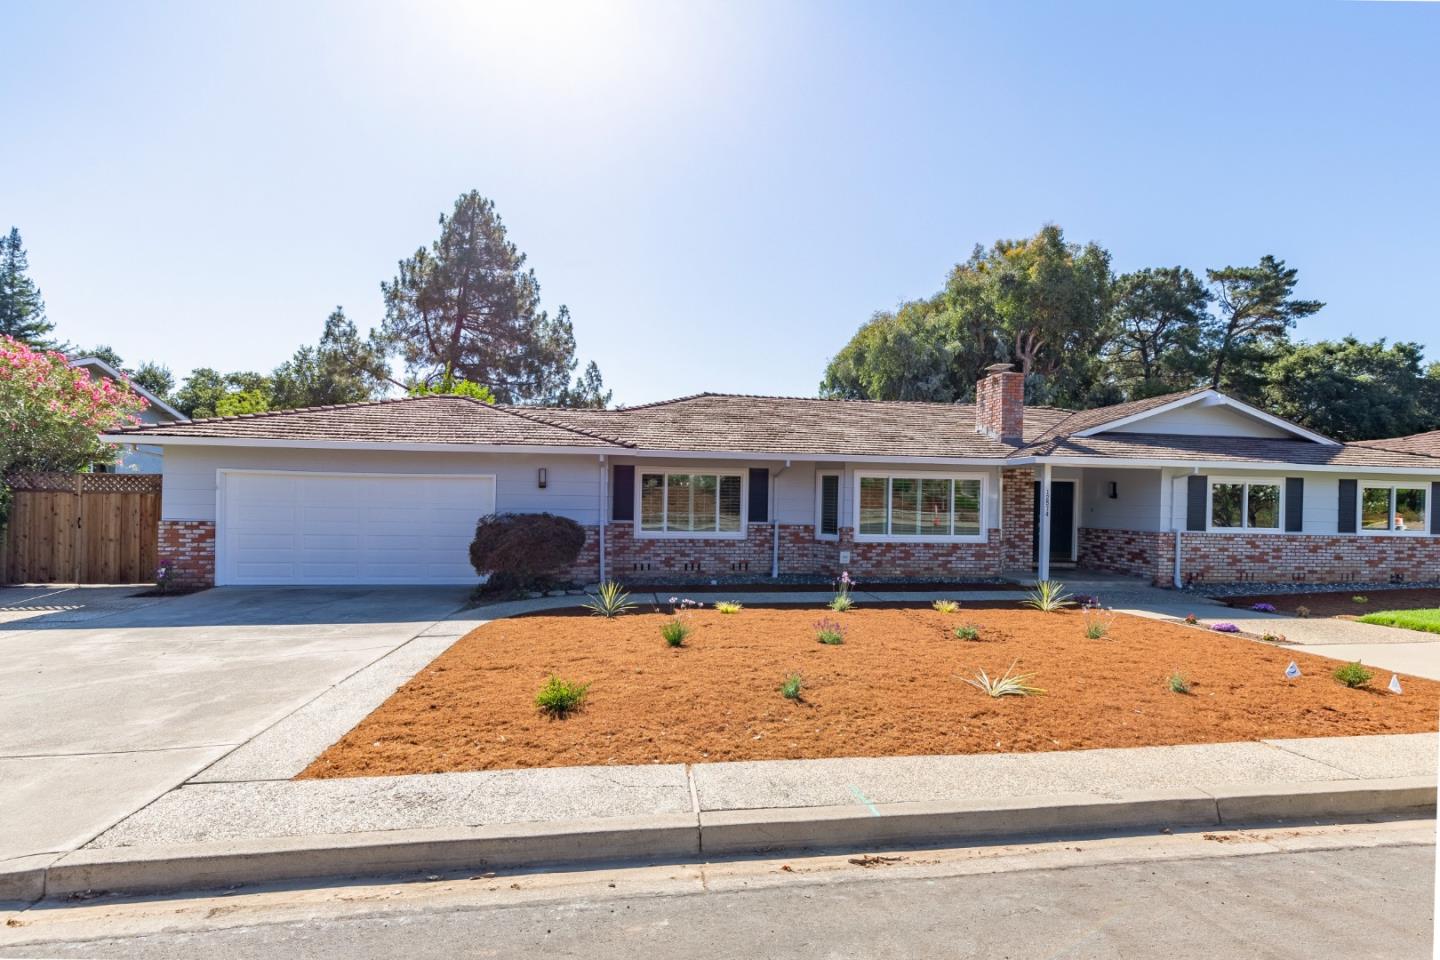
<point>688,837</point>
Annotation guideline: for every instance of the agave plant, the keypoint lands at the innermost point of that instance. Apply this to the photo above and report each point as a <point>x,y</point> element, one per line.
<point>1012,684</point>
<point>946,606</point>
<point>610,601</point>
<point>1049,596</point>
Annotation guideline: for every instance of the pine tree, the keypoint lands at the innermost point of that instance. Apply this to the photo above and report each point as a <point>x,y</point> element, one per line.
<point>22,310</point>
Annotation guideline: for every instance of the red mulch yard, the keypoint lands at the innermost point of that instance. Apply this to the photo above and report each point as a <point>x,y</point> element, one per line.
<point>895,687</point>
<point>1342,604</point>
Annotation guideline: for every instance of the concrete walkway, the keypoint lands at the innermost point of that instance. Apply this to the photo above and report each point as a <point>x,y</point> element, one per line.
<point>108,701</point>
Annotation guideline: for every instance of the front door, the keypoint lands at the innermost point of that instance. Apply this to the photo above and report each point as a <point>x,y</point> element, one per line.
<point>1062,521</point>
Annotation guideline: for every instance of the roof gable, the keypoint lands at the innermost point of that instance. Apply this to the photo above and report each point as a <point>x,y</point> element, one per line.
<point>1201,413</point>
<point>160,408</point>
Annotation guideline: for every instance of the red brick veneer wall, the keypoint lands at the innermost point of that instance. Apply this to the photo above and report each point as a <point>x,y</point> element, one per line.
<point>187,547</point>
<point>1017,511</point>
<point>1294,558</point>
<point>1139,553</point>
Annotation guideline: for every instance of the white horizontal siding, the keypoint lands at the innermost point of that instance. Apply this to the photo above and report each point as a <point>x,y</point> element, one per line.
<point>1137,504</point>
<point>1198,421</point>
<point>572,487</point>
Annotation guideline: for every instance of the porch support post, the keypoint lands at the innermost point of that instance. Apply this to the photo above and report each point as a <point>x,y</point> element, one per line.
<point>1042,571</point>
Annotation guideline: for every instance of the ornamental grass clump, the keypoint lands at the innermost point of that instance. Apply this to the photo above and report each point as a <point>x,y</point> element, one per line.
<point>610,601</point>
<point>1049,596</point>
<point>791,686</point>
<point>675,631</point>
<point>1097,621</point>
<point>946,606</point>
<point>728,607</point>
<point>830,632</point>
<point>1012,684</point>
<point>1303,612</point>
<point>559,697</point>
<point>968,631</point>
<point>1354,675</point>
<point>842,600</point>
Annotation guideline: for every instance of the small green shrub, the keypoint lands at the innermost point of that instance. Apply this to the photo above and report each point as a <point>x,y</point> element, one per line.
<point>1178,683</point>
<point>968,631</point>
<point>728,606</point>
<point>1303,612</point>
<point>842,603</point>
<point>559,697</point>
<point>946,606</point>
<point>610,602</point>
<point>1354,675</point>
<point>1049,596</point>
<point>830,632</point>
<point>1097,621</point>
<point>1360,598</point>
<point>1010,685</point>
<point>675,631</point>
<point>791,687</point>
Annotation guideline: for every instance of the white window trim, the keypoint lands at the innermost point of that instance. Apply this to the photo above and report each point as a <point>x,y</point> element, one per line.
<point>1422,531</point>
<point>820,476</point>
<point>1247,482</point>
<point>919,475</point>
<point>666,472</point>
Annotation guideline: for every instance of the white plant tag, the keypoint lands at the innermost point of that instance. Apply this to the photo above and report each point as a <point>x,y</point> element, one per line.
<point>1395,684</point>
<point>1292,671</point>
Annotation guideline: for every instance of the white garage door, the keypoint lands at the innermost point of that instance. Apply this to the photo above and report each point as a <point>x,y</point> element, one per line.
<point>348,528</point>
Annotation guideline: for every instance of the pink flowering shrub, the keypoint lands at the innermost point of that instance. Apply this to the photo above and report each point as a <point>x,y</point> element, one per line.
<point>51,415</point>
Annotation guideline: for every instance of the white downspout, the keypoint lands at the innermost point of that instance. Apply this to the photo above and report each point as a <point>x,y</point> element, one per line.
<point>775,522</point>
<point>604,511</point>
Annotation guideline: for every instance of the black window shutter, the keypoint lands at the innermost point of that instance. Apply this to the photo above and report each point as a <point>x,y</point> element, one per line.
<point>1294,504</point>
<point>1349,498</point>
<point>1435,508</point>
<point>622,493</point>
<point>829,504</point>
<point>1195,502</point>
<point>759,495</point>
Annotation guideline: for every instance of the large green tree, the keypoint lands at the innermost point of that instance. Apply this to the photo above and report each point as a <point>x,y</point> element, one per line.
<point>209,393</point>
<point>1039,302</point>
<point>22,309</point>
<point>1257,309</point>
<point>1158,322</point>
<point>1351,390</point>
<point>342,368</point>
<point>467,307</point>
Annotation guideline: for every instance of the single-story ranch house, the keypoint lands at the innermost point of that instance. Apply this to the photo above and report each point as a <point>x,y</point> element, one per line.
<point>1189,487</point>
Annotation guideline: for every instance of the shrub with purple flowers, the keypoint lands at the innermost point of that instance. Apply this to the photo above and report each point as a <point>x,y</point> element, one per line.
<point>1224,628</point>
<point>1263,607</point>
<point>162,576</point>
<point>842,600</point>
<point>830,632</point>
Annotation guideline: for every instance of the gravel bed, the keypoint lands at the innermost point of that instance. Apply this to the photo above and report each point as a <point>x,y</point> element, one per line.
<point>1220,590</point>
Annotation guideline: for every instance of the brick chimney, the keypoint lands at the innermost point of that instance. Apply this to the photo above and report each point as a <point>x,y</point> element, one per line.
<point>1000,403</point>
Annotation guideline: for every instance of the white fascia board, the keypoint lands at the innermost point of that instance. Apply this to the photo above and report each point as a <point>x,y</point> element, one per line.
<point>1196,466</point>
<point>609,451</point>
<point>1212,398</point>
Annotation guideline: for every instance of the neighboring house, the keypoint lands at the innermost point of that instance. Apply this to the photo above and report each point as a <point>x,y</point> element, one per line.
<point>1188,487</point>
<point>135,457</point>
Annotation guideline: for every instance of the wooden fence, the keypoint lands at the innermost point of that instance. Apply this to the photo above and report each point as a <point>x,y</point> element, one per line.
<point>82,528</point>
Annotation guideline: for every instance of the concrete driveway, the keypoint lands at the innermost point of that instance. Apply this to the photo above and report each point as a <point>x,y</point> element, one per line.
<point>107,700</point>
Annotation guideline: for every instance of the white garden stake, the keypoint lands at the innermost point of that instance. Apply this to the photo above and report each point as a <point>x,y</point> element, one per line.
<point>1292,671</point>
<point>1395,684</point>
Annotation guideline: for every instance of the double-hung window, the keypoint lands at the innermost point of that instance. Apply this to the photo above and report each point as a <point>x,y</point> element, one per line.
<point>703,504</point>
<point>919,507</point>
<point>1245,504</point>
<point>1394,508</point>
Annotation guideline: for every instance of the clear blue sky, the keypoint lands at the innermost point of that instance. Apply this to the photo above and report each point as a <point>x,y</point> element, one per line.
<point>721,192</point>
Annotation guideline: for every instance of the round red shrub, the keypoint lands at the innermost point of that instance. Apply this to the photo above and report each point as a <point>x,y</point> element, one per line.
<point>524,549</point>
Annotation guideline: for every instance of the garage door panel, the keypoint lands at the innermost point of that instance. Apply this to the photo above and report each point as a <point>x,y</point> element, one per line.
<point>337,528</point>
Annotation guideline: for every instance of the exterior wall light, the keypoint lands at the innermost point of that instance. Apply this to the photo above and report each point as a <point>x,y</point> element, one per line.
<point>541,478</point>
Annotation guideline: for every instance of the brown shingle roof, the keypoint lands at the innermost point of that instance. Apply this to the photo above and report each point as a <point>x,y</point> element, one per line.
<point>1142,446</point>
<point>800,425</point>
<point>1424,444</point>
<point>777,426</point>
<point>440,419</point>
